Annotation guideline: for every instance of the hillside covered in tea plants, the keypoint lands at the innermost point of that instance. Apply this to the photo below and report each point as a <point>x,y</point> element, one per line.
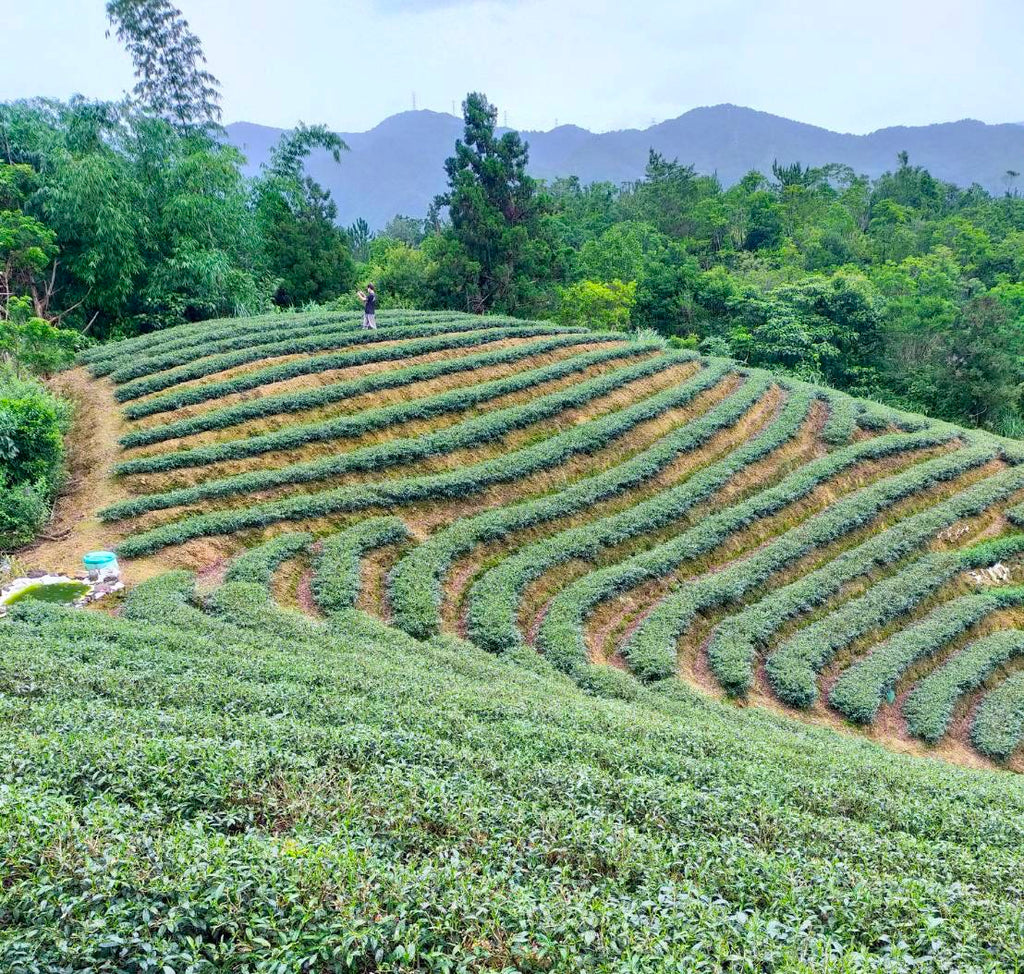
<point>626,510</point>
<point>433,647</point>
<point>210,783</point>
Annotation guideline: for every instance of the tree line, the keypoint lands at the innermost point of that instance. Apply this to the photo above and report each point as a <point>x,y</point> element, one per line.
<point>119,218</point>
<point>903,289</point>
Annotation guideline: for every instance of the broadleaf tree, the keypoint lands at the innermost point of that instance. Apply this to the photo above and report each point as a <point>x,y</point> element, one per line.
<point>169,63</point>
<point>304,250</point>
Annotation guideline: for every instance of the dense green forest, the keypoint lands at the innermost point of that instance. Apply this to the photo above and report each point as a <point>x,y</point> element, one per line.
<point>903,289</point>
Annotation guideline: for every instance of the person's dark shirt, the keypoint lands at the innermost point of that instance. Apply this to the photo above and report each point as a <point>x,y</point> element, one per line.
<point>371,303</point>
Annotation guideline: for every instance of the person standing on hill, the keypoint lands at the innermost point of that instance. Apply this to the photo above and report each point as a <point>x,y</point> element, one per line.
<point>369,299</point>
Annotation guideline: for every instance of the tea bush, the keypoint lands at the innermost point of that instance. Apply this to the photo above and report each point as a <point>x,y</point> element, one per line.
<point>257,565</point>
<point>791,522</point>
<point>331,338</point>
<point>793,667</point>
<point>193,395</point>
<point>245,790</point>
<point>735,643</point>
<point>336,580</point>
<point>370,420</point>
<point>998,728</point>
<point>469,432</point>
<point>859,692</point>
<point>292,402</point>
<point>416,581</point>
<point>652,656</point>
<point>929,706</point>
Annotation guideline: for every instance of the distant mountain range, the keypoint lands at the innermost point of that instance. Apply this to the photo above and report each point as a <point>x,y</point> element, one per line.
<point>397,167</point>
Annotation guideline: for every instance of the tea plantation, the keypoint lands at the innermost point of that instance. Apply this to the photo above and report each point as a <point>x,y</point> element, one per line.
<point>212,783</point>
<point>503,645</point>
<point>600,499</point>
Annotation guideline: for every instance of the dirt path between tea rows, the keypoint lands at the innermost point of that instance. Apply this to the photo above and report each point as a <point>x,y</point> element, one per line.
<point>92,451</point>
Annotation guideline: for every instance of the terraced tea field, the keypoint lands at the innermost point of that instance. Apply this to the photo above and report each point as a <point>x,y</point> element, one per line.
<point>627,511</point>
<point>206,782</point>
<point>573,543</point>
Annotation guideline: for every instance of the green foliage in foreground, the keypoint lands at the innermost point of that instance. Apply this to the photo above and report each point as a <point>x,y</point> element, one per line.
<point>245,790</point>
<point>35,347</point>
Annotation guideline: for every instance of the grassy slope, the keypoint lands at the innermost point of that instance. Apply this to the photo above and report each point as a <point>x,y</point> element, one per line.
<point>219,799</point>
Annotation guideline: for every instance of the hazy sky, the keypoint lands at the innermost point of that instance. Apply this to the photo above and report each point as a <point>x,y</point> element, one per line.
<point>851,66</point>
